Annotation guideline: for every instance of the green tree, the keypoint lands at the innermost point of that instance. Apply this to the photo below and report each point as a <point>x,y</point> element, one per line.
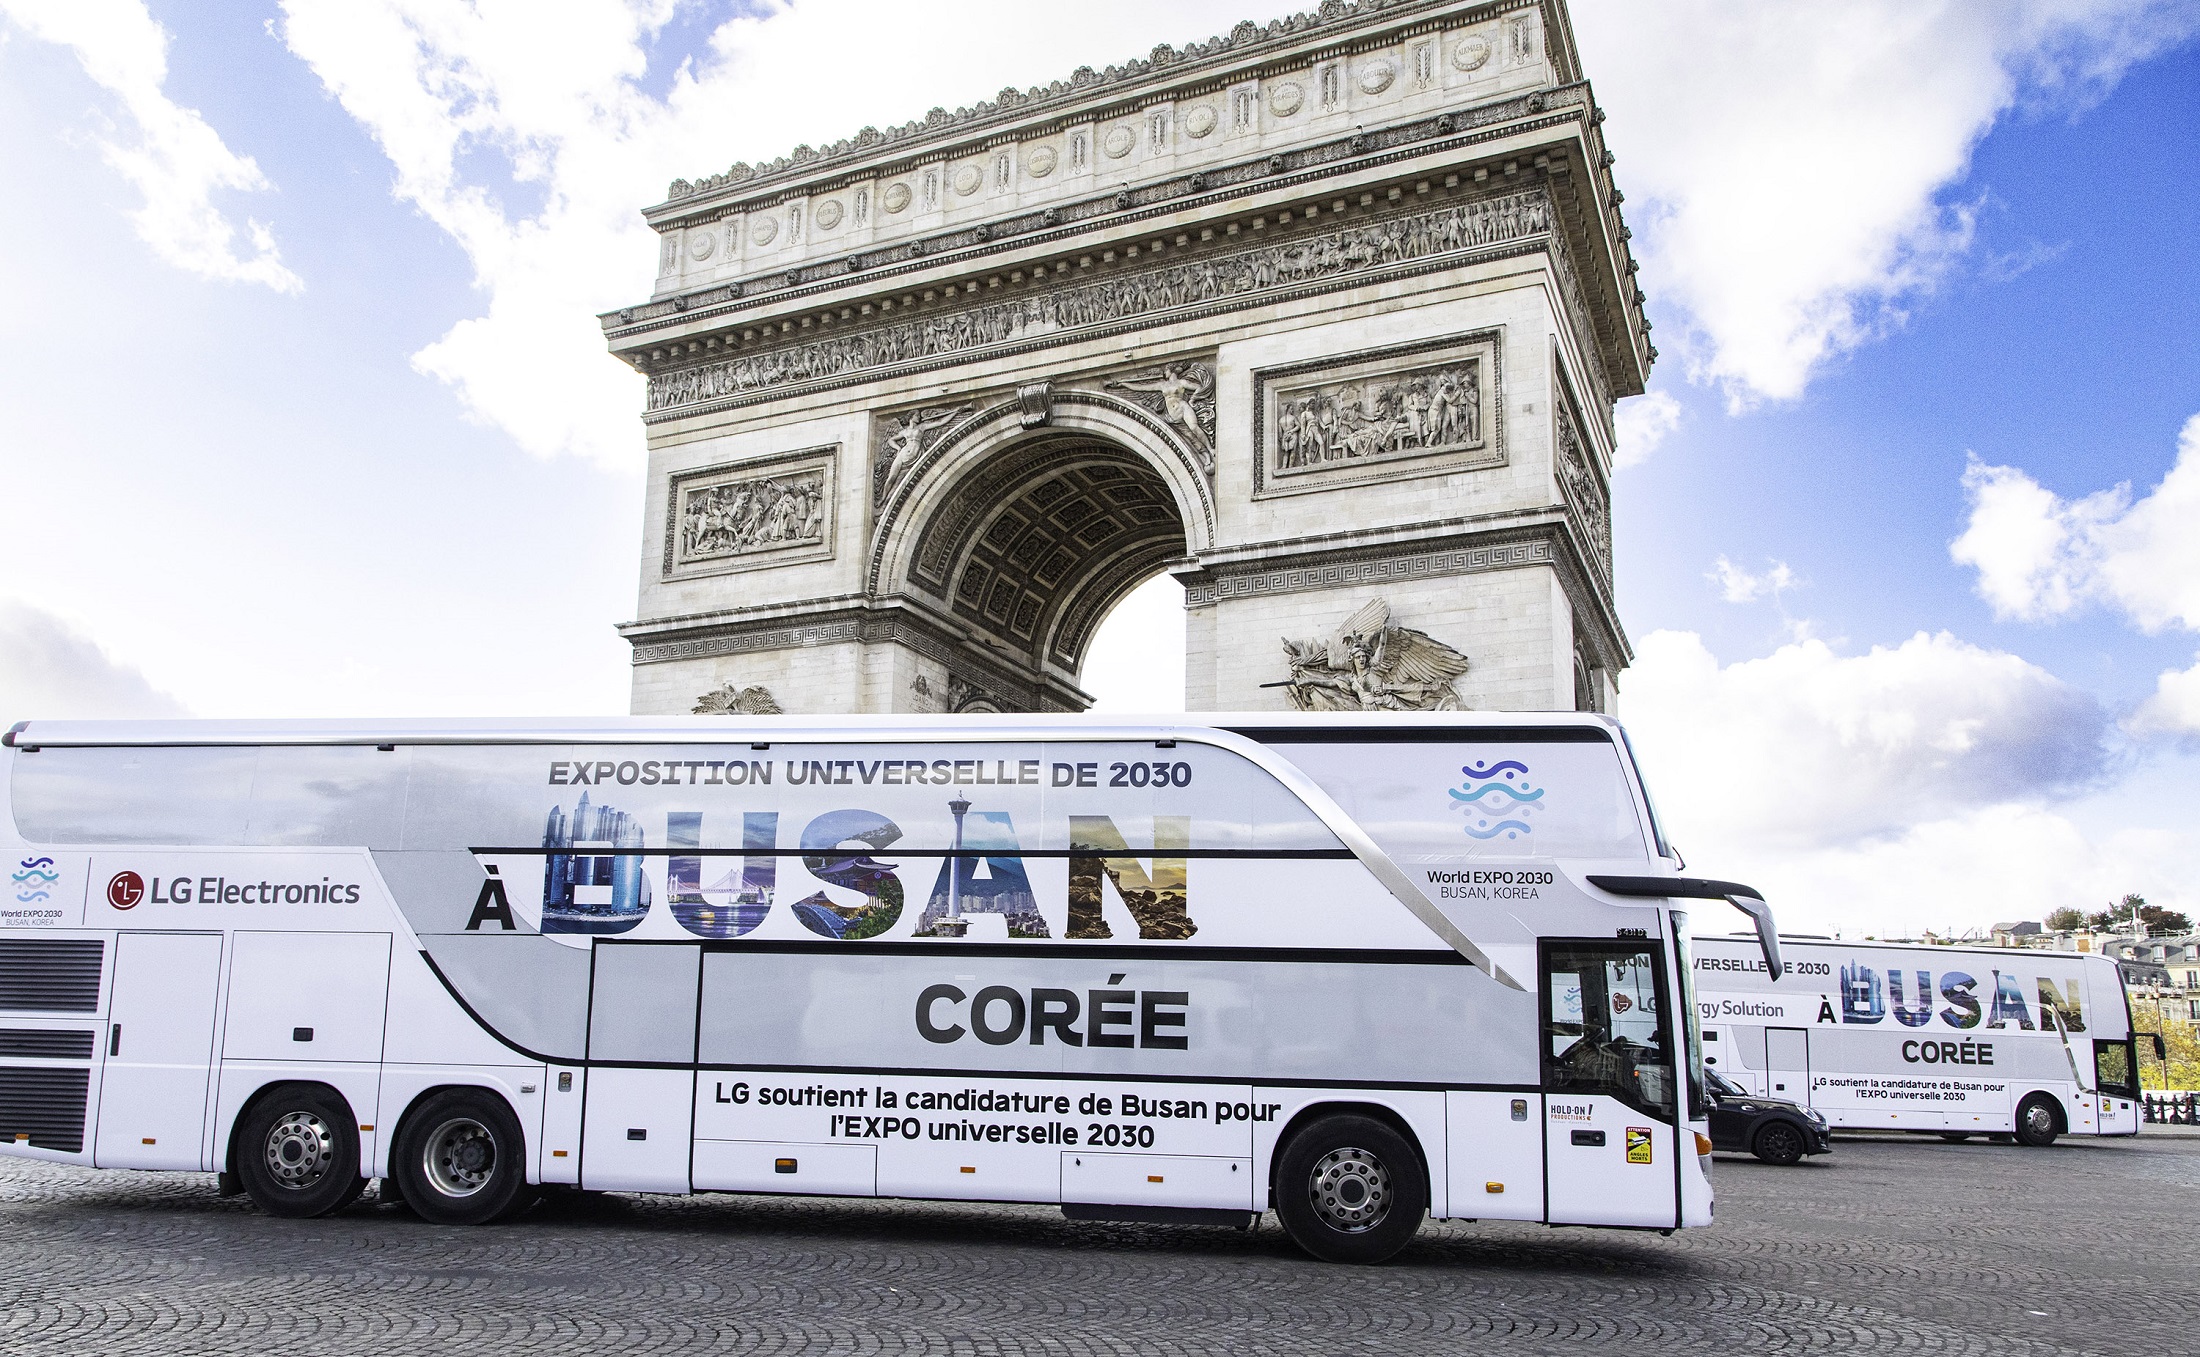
<point>2181,1041</point>
<point>2155,918</point>
<point>2065,919</point>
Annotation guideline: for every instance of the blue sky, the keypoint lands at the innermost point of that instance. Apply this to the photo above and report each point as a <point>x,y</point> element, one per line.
<point>303,411</point>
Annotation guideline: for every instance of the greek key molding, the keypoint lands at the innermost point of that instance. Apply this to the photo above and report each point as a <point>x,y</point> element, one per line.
<point>1322,261</point>
<point>1299,579</point>
<point>715,640</point>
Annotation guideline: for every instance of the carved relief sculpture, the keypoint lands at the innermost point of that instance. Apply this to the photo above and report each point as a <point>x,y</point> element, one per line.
<point>1183,394</point>
<point>754,700</point>
<point>1585,491</point>
<point>1370,663</point>
<point>1422,410</point>
<point>733,518</point>
<point>901,440</point>
<point>1240,276</point>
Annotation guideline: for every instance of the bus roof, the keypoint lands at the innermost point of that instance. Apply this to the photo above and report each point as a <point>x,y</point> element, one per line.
<point>1277,727</point>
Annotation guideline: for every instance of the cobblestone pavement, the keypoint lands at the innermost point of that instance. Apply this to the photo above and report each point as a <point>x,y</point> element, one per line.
<point>1889,1244</point>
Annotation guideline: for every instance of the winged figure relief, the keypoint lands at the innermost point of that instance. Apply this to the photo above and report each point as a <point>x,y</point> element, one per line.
<point>1183,394</point>
<point>1370,663</point>
<point>754,700</point>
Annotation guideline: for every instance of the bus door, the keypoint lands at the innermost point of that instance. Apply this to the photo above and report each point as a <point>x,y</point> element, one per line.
<point>160,1039</point>
<point>638,1118</point>
<point>1787,1064</point>
<point>1609,1085</point>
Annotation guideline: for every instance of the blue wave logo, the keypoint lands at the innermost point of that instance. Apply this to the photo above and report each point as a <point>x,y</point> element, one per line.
<point>1497,800</point>
<point>31,882</point>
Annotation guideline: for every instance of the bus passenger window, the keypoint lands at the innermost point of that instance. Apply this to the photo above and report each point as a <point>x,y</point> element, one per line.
<point>1602,1030</point>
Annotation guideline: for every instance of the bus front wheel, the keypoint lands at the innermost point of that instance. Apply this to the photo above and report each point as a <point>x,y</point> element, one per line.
<point>461,1159</point>
<point>298,1151</point>
<point>1349,1189</point>
<point>2037,1124</point>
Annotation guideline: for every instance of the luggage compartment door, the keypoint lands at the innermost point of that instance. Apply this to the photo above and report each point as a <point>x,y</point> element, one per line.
<point>160,1042</point>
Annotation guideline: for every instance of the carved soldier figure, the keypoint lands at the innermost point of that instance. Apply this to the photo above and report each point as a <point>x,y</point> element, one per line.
<point>1371,664</point>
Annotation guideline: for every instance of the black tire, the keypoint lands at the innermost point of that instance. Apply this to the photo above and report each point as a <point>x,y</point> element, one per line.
<point>1955,1135</point>
<point>461,1159</point>
<point>1778,1142</point>
<point>297,1151</point>
<point>1349,1189</point>
<point>2037,1122</point>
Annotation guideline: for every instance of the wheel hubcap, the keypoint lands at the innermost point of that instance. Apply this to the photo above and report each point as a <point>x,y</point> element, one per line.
<point>301,1149</point>
<point>461,1157</point>
<point>2038,1120</point>
<point>1351,1190</point>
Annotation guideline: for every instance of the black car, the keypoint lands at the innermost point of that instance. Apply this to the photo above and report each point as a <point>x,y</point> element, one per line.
<point>1774,1129</point>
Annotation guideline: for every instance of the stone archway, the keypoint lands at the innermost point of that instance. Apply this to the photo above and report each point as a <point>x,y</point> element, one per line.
<point>1327,318</point>
<point>1023,526</point>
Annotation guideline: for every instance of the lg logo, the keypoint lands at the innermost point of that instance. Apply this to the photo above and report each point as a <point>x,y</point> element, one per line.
<point>125,889</point>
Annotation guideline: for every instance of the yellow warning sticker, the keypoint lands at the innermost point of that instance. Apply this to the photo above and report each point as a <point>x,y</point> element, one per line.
<point>1638,1144</point>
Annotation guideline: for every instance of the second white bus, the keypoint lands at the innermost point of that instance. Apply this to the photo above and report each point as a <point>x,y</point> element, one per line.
<point>1958,1041</point>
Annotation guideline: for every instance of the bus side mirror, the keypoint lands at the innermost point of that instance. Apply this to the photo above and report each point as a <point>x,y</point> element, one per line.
<point>2161,1052</point>
<point>1768,933</point>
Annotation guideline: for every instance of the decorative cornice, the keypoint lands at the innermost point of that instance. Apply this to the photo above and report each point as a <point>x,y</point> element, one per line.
<point>882,625</point>
<point>1553,542</point>
<point>1363,149</point>
<point>1011,104</point>
<point>1352,570</point>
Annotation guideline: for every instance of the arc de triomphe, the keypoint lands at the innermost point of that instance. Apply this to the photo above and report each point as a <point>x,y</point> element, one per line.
<point>1326,318</point>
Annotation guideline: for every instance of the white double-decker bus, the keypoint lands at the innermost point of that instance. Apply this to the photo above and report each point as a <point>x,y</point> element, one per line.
<point>1357,971</point>
<point>1958,1041</point>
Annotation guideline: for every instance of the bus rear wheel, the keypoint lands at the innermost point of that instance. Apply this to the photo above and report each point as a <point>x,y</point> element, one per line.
<point>1349,1189</point>
<point>298,1152</point>
<point>2037,1124</point>
<point>461,1159</point>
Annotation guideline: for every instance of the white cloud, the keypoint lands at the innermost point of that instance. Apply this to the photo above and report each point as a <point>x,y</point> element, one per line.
<point>2040,556</point>
<point>1737,585</point>
<point>1806,748</point>
<point>535,145</point>
<point>176,160</point>
<point>1928,784</point>
<point>2174,706</point>
<point>51,671</point>
<point>1966,872</point>
<point>1789,164</point>
<point>1643,422</point>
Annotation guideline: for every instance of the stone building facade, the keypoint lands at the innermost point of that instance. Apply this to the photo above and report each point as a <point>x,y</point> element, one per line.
<point>1326,317</point>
